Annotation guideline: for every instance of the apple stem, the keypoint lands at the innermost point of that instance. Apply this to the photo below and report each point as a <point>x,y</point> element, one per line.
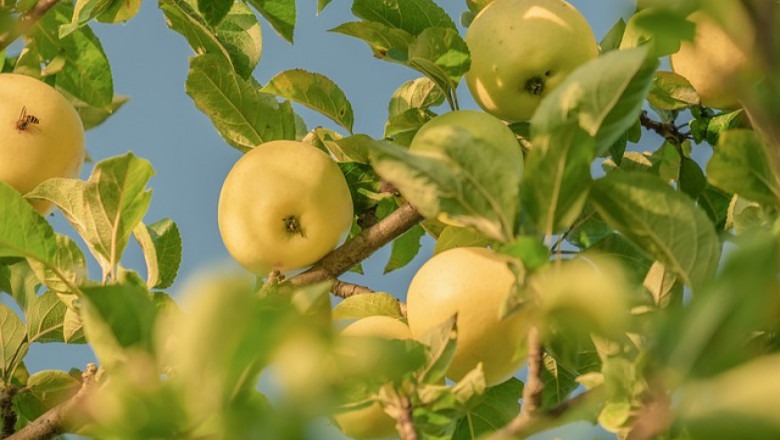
<point>535,85</point>
<point>293,225</point>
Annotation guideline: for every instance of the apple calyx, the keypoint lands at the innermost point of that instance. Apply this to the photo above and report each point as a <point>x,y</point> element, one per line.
<point>535,85</point>
<point>293,225</point>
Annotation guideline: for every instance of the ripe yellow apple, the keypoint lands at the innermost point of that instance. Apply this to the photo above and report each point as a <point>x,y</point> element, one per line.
<point>714,61</point>
<point>521,50</point>
<point>41,135</point>
<point>371,422</point>
<point>472,282</point>
<point>283,206</point>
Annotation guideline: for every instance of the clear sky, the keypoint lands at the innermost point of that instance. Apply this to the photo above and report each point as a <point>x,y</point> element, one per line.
<point>161,124</point>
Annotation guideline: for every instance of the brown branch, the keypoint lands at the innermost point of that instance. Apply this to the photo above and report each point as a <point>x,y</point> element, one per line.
<point>578,407</point>
<point>532,391</point>
<point>346,290</point>
<point>8,413</point>
<point>398,406</point>
<point>26,21</point>
<point>668,131</point>
<point>655,416</point>
<point>361,247</point>
<point>62,417</point>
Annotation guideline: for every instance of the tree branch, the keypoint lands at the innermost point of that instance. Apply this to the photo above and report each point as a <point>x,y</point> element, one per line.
<point>532,391</point>
<point>668,131</point>
<point>527,424</point>
<point>26,21</point>
<point>346,290</point>
<point>62,417</point>
<point>361,247</point>
<point>8,413</point>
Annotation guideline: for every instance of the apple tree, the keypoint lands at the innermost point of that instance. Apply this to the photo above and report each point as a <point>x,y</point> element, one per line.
<point>575,276</point>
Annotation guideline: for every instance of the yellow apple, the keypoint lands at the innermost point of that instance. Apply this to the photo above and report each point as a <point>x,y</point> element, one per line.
<point>41,135</point>
<point>521,50</point>
<point>283,206</point>
<point>714,62</point>
<point>371,422</point>
<point>472,282</point>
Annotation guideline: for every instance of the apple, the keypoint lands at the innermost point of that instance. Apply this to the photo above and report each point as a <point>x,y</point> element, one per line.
<point>472,282</point>
<point>283,206</point>
<point>41,135</point>
<point>521,50</point>
<point>714,61</point>
<point>371,422</point>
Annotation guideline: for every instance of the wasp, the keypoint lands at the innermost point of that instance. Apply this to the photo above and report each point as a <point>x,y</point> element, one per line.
<point>25,120</point>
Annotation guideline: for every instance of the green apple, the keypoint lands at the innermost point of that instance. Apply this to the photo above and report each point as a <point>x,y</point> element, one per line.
<point>41,135</point>
<point>521,50</point>
<point>473,283</point>
<point>283,206</point>
<point>371,422</point>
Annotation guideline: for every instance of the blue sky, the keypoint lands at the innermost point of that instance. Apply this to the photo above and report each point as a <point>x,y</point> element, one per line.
<point>161,124</point>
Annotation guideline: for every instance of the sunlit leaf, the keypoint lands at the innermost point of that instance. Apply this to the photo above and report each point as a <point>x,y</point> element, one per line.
<point>413,16</point>
<point>404,248</point>
<point>162,247</point>
<point>663,222</point>
<point>244,116</point>
<point>315,91</point>
<point>280,13</point>
<point>45,317</point>
<point>368,304</point>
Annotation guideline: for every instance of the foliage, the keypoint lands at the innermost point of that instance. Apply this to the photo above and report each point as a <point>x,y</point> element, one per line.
<point>688,245</point>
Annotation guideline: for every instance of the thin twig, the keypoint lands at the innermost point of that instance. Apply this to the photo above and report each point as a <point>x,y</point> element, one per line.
<point>532,391</point>
<point>668,131</point>
<point>62,417</point>
<point>361,247</point>
<point>26,21</point>
<point>577,407</point>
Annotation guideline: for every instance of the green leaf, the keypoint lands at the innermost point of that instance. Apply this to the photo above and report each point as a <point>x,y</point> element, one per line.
<point>634,261</point>
<point>120,11</point>
<point>280,14</point>
<point>670,91</point>
<point>45,390</point>
<point>663,222</point>
<point>402,127</point>
<point>86,74</point>
<point>417,93</point>
<point>343,149</point>
<point>453,236</point>
<point>161,245</point>
<point>557,178</point>
<point>443,47</point>
<point>118,317</point>
<point>464,182</point>
<point>499,405</point>
<point>73,328</point>
<point>661,29</point>
<point>315,91</point>
<point>19,281</point>
<point>23,232</point>
<point>65,270</point>
<point>386,42</point>
<point>12,341</point>
<point>725,121</point>
<point>741,165</point>
<point>242,115</point>
<point>321,4</point>
<point>530,250</point>
<point>558,382</point>
<point>692,179</point>
<point>45,317</point>
<point>614,35</point>
<point>368,304</point>
<point>91,116</point>
<point>214,10</point>
<point>413,16</point>
<point>442,341</point>
<point>237,37</point>
<point>83,11</point>
<point>404,248</point>
<point>603,96</point>
<point>716,204</point>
